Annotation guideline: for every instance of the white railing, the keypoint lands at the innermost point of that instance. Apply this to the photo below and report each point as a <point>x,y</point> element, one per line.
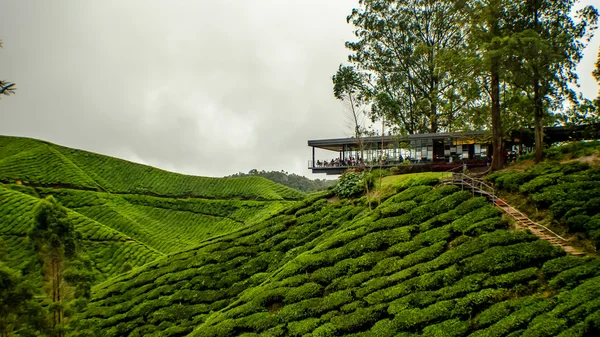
<point>474,183</point>
<point>535,223</point>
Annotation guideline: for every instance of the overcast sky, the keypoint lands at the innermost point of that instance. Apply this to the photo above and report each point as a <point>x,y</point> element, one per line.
<point>198,87</point>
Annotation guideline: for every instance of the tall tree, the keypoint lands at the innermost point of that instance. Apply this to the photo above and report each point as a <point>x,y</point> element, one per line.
<point>6,88</point>
<point>55,239</point>
<point>488,28</point>
<point>544,50</point>
<point>413,60</point>
<point>596,74</point>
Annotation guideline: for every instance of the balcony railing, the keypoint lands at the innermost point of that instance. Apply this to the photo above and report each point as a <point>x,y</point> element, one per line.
<point>436,165</point>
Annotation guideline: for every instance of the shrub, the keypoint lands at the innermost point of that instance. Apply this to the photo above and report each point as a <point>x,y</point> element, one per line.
<point>306,291</point>
<point>126,267</point>
<point>553,267</point>
<point>574,166</point>
<point>352,184</point>
<point>542,169</point>
<point>510,258</point>
<point>577,223</point>
<point>510,181</point>
<point>358,319</point>
<point>559,209</point>
<point>392,209</point>
<point>549,196</point>
<point>592,206</point>
<point>571,278</point>
<point>449,328</point>
<point>538,183</point>
<point>303,327</point>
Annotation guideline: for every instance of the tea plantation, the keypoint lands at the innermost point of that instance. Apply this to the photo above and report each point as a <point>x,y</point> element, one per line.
<point>569,191</point>
<point>40,163</point>
<point>127,213</point>
<point>249,257</point>
<point>428,261</point>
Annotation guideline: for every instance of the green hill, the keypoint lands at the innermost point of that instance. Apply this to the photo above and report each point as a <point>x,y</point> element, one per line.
<point>44,164</point>
<point>247,257</point>
<point>127,212</point>
<point>426,262</point>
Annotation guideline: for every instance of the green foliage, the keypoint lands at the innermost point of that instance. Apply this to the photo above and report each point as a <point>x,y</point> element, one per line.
<point>20,313</point>
<point>510,182</point>
<point>428,261</point>
<point>52,233</point>
<point>292,180</point>
<point>424,262</point>
<point>570,191</point>
<point>38,163</point>
<point>570,150</point>
<point>538,183</point>
<point>119,229</point>
<point>352,184</point>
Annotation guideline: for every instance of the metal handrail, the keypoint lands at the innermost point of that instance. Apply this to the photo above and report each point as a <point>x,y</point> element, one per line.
<point>535,223</point>
<point>462,180</point>
<point>475,184</point>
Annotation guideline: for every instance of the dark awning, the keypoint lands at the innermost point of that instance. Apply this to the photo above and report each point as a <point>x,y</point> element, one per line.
<point>339,144</point>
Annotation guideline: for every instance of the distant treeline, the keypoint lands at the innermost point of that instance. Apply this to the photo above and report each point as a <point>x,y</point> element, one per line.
<point>291,180</point>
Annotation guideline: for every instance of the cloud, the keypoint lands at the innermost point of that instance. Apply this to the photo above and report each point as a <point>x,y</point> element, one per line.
<point>205,87</point>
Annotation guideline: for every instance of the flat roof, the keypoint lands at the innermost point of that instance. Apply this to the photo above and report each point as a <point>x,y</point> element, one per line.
<point>552,134</point>
<point>337,144</point>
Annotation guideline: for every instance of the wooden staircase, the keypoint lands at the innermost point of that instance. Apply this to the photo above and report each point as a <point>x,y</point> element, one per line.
<point>479,187</point>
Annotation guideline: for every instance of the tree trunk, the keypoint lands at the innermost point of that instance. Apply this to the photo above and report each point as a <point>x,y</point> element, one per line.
<point>53,276</point>
<point>539,138</point>
<point>434,118</point>
<point>497,134</point>
<point>58,286</point>
<point>538,113</point>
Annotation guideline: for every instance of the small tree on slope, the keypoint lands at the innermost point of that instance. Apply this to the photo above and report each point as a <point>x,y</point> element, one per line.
<point>347,86</point>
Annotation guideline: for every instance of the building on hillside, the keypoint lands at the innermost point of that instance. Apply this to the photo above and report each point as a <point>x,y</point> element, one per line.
<point>432,151</point>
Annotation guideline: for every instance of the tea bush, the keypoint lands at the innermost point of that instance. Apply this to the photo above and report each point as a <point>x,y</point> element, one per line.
<point>429,261</point>
<point>353,183</point>
<point>570,191</point>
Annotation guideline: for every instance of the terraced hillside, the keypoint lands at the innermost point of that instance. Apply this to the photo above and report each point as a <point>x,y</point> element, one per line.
<point>40,163</point>
<point>127,212</point>
<point>426,262</point>
<point>569,192</point>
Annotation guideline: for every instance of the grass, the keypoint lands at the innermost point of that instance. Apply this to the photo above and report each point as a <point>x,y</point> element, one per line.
<point>404,179</point>
<point>428,261</point>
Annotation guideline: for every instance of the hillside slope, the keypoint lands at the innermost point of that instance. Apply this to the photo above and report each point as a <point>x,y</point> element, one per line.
<point>566,196</point>
<point>40,163</point>
<point>127,212</point>
<point>426,262</point>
